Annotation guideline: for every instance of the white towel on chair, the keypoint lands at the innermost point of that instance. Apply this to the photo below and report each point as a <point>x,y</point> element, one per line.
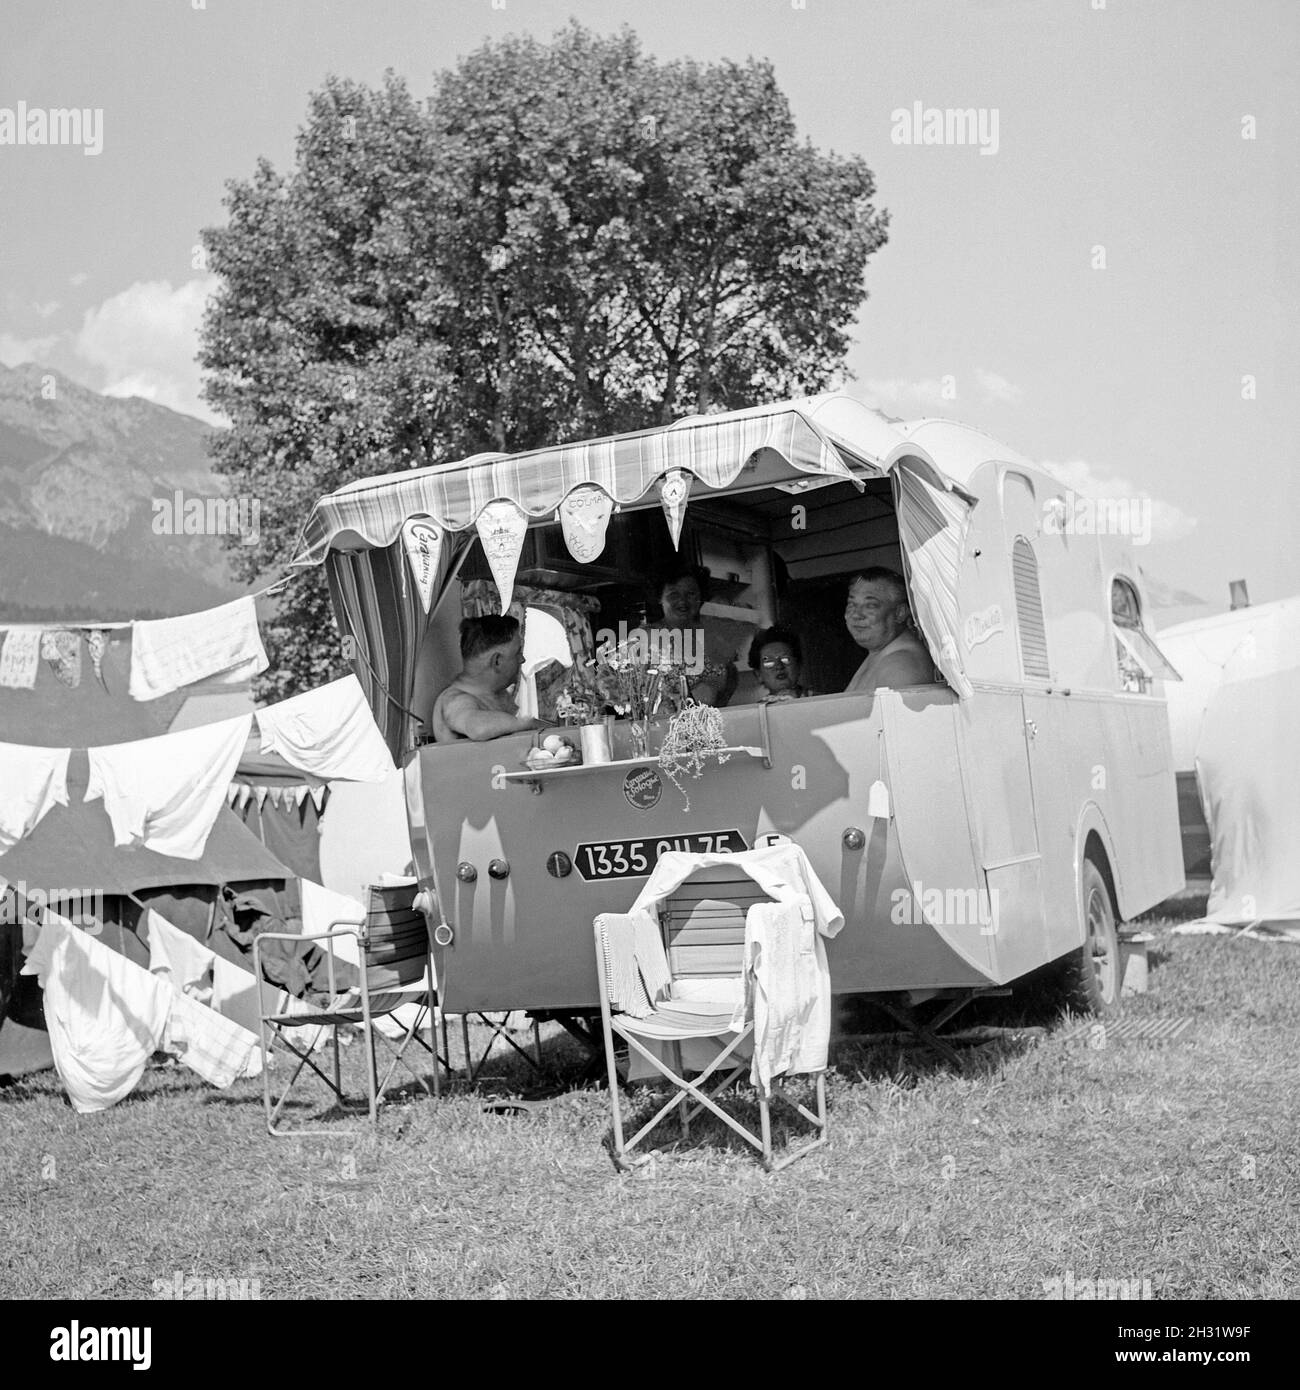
<point>165,793</point>
<point>792,989</point>
<point>32,780</point>
<point>329,732</point>
<point>220,645</point>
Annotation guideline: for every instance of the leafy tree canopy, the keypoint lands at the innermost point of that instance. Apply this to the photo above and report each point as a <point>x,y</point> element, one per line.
<point>564,240</point>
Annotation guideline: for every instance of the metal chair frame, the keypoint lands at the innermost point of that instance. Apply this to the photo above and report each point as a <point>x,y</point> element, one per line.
<point>337,1014</point>
<point>499,1030</point>
<point>692,1096</point>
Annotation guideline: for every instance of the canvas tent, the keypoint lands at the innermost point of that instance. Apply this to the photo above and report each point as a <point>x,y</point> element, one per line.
<point>1233,725</point>
<point>235,889</point>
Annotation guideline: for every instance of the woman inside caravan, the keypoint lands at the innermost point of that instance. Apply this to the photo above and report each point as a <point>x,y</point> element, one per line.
<point>704,647</point>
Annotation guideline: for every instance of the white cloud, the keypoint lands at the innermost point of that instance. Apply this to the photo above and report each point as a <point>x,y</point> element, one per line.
<point>939,393</point>
<point>15,350</point>
<point>79,278</point>
<point>899,391</point>
<point>997,388</point>
<point>144,341</point>
<point>1168,521</point>
<point>47,310</point>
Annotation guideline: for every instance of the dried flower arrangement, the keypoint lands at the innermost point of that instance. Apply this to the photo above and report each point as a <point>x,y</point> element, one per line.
<point>694,731</point>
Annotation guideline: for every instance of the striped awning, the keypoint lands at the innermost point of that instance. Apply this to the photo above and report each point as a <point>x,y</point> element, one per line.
<point>715,449</point>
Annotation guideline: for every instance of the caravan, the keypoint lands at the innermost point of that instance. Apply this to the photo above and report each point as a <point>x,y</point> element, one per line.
<point>971,830</point>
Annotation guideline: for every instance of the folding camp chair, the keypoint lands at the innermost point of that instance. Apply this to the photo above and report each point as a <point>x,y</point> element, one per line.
<point>700,944</point>
<point>396,968</point>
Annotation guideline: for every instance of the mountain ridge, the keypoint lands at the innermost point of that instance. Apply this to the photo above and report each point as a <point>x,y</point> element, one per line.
<point>80,474</point>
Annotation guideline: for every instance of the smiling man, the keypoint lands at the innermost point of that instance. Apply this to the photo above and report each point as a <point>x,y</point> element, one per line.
<point>879,619</point>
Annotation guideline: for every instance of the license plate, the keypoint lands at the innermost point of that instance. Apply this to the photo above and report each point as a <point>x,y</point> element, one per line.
<point>601,859</point>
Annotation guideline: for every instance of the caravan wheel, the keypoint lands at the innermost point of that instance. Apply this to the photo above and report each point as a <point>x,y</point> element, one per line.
<point>1091,975</point>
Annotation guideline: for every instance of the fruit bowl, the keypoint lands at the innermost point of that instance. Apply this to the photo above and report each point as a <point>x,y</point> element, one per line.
<point>554,751</point>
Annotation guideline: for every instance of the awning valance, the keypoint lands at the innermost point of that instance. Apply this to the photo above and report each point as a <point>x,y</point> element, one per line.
<point>715,449</point>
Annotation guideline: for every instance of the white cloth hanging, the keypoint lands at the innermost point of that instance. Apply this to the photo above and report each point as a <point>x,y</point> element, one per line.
<point>220,645</point>
<point>175,956</point>
<point>165,793</point>
<point>329,732</point>
<point>21,658</point>
<point>213,1047</point>
<point>32,780</point>
<point>106,1016</point>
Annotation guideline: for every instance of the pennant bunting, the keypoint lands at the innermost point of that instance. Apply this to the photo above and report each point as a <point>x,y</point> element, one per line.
<point>318,795</point>
<point>501,527</point>
<point>422,541</point>
<point>20,659</point>
<point>674,489</point>
<point>584,516</point>
<point>97,642</point>
<point>62,649</point>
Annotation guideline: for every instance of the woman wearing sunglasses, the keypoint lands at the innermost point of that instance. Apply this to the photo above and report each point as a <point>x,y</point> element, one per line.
<point>777,659</point>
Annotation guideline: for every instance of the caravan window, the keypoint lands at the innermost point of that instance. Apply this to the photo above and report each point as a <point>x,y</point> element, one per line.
<point>1140,661</point>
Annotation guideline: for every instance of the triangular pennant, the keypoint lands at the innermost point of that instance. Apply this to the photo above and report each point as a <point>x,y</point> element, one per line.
<point>261,794</point>
<point>300,795</point>
<point>674,489</point>
<point>502,527</point>
<point>422,541</point>
<point>277,797</point>
<point>318,795</point>
<point>584,515</point>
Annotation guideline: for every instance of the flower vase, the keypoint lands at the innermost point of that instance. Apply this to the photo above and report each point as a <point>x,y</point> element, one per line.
<point>639,734</point>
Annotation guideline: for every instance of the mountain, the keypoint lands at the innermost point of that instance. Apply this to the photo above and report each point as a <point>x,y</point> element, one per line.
<point>79,476</point>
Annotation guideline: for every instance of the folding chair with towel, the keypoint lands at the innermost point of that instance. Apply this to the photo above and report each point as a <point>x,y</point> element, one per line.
<point>720,968</point>
<point>395,969</point>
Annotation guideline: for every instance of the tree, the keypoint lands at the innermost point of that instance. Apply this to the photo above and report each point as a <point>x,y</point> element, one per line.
<point>567,239</point>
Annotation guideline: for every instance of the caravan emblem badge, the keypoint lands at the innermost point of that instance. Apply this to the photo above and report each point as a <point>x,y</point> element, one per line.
<point>643,787</point>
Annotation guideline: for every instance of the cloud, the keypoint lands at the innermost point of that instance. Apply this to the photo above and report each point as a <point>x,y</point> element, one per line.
<point>1168,521</point>
<point>15,350</point>
<point>47,310</point>
<point>79,278</point>
<point>997,388</point>
<point>899,391</point>
<point>939,393</point>
<point>144,340</point>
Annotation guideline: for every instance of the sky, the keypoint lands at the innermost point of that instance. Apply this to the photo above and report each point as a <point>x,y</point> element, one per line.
<point>1105,277</point>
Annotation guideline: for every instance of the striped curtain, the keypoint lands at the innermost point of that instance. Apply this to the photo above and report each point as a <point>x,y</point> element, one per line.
<point>932,525</point>
<point>380,614</point>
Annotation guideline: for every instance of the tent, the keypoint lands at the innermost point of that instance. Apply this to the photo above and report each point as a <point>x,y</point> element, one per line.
<point>235,889</point>
<point>1232,723</point>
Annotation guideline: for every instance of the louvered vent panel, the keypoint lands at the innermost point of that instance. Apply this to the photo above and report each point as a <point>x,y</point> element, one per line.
<point>1029,611</point>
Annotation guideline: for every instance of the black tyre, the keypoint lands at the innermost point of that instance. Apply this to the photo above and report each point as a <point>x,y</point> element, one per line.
<point>1090,976</point>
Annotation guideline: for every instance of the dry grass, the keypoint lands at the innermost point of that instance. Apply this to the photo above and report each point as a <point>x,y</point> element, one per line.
<point>1172,1163</point>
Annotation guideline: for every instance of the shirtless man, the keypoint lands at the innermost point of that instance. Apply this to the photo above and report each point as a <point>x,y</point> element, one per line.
<point>879,619</point>
<point>477,704</point>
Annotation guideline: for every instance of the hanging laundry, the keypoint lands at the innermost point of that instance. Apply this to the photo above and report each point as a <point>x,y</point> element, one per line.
<point>97,643</point>
<point>106,1016</point>
<point>62,649</point>
<point>213,1047</point>
<point>21,657</point>
<point>221,645</point>
<point>175,956</point>
<point>32,780</point>
<point>165,793</point>
<point>329,732</point>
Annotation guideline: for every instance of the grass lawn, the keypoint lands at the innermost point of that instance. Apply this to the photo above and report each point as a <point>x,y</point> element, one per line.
<point>1174,1163</point>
